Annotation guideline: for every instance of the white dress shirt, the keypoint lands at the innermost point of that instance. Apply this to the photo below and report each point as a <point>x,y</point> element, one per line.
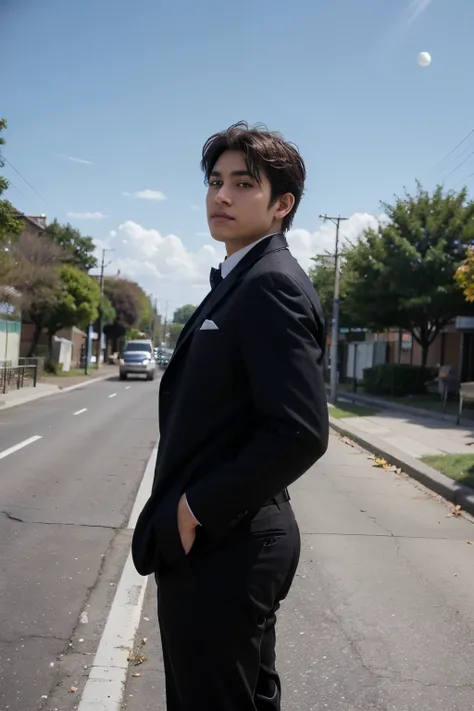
<point>226,268</point>
<point>232,261</point>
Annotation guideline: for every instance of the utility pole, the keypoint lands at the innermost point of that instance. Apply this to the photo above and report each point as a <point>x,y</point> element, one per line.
<point>335,309</point>
<point>101,284</point>
<point>165,323</point>
<point>153,325</point>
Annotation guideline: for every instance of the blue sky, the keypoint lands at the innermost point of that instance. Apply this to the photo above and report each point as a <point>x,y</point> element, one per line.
<point>135,92</point>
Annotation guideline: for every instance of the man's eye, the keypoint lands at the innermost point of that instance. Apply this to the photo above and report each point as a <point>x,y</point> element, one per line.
<point>215,183</point>
<point>245,185</point>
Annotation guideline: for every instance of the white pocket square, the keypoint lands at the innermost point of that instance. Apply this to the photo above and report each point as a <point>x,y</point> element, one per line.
<point>209,326</point>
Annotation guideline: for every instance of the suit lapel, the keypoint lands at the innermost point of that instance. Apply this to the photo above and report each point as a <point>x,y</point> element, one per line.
<point>211,301</point>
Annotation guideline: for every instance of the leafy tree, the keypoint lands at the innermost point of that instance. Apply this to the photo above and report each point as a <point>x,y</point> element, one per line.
<point>77,303</point>
<point>465,275</point>
<point>10,224</point>
<point>172,331</point>
<point>134,334</point>
<point>183,314</point>
<point>146,310</point>
<point>108,311</point>
<point>402,274</point>
<point>36,276</point>
<point>79,248</point>
<point>124,298</point>
<point>322,276</point>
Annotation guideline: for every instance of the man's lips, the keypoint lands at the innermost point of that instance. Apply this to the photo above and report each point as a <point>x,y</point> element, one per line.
<point>221,216</point>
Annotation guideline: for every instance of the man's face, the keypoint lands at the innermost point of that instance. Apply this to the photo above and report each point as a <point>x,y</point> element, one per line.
<point>238,206</point>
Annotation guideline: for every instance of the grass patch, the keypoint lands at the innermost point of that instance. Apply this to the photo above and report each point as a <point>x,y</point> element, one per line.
<point>459,467</point>
<point>350,409</point>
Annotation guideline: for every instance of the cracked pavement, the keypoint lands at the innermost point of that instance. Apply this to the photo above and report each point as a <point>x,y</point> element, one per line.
<point>381,614</point>
<point>64,501</point>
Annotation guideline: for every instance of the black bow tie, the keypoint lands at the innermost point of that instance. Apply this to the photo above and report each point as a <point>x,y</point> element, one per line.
<point>215,277</point>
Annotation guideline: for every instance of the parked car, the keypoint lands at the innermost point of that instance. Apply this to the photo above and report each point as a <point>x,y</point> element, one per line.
<point>164,357</point>
<point>137,359</point>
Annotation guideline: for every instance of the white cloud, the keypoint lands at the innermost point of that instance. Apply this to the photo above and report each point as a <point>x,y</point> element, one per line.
<point>195,207</point>
<point>304,244</point>
<point>147,194</point>
<point>416,9</point>
<point>166,268</point>
<point>87,215</point>
<point>77,160</point>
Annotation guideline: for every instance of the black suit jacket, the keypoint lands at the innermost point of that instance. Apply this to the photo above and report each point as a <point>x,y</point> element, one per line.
<point>242,409</point>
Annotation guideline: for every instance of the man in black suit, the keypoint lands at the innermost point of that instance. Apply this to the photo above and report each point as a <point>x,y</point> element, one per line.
<point>242,415</point>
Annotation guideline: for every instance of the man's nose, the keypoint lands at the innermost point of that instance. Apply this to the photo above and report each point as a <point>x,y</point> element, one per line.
<point>223,196</point>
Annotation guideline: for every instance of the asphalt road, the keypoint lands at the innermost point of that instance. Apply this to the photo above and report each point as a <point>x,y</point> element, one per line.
<point>381,615</point>
<point>70,467</point>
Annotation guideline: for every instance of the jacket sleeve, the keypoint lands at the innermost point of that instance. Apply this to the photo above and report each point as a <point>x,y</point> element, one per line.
<point>281,338</point>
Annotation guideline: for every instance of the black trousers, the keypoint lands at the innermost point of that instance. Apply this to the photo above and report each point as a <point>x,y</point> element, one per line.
<point>217,615</point>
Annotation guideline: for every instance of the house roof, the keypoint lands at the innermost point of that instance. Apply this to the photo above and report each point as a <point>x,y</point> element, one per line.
<point>37,221</point>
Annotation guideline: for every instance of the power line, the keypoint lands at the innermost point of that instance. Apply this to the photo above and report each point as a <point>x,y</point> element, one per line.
<point>464,180</point>
<point>460,164</point>
<point>454,149</point>
<point>24,179</point>
<point>454,158</point>
<point>11,184</point>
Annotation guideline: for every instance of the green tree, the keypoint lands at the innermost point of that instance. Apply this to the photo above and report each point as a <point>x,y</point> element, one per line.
<point>108,311</point>
<point>172,331</point>
<point>37,261</point>
<point>183,314</point>
<point>10,225</point>
<point>322,276</point>
<point>77,303</point>
<point>146,310</point>
<point>402,274</point>
<point>79,248</point>
<point>124,296</point>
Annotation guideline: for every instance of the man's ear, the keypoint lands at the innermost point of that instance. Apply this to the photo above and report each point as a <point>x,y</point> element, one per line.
<point>284,205</point>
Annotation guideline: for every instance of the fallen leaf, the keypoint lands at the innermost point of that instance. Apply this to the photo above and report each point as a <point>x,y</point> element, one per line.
<point>144,640</point>
<point>382,463</point>
<point>73,689</point>
<point>136,657</point>
<point>470,543</point>
<point>136,674</point>
<point>457,510</point>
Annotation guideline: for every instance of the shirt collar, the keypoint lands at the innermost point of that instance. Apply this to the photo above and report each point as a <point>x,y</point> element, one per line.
<point>232,261</point>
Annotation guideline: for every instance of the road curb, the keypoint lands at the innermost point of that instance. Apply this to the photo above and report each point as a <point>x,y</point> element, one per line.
<point>85,383</point>
<point>456,493</point>
<point>57,391</point>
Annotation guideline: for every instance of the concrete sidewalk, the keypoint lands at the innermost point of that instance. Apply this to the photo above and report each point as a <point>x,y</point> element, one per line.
<point>404,438</point>
<point>50,385</point>
<point>414,434</point>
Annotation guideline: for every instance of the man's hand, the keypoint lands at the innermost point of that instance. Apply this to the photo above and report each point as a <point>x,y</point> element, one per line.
<point>186,525</point>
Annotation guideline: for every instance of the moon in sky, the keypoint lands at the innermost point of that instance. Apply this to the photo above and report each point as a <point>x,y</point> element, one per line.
<point>424,59</point>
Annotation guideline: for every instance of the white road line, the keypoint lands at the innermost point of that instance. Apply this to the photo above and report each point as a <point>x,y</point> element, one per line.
<point>128,387</point>
<point>105,687</point>
<point>113,395</point>
<point>20,445</point>
<point>79,412</point>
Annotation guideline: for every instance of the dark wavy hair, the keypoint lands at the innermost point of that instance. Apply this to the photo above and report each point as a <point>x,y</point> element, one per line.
<point>264,152</point>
